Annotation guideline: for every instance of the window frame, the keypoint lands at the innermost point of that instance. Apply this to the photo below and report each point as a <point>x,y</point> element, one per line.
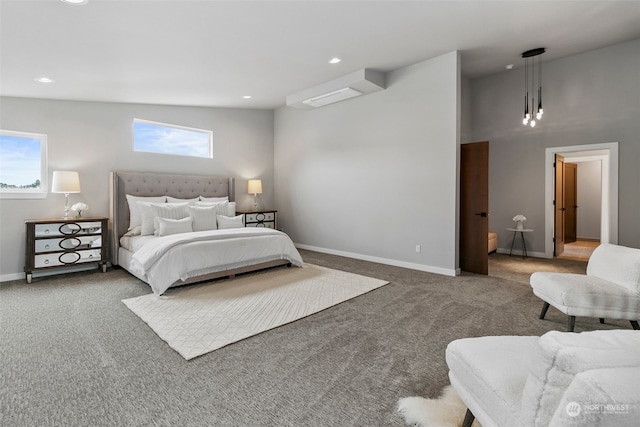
<point>172,126</point>
<point>25,193</point>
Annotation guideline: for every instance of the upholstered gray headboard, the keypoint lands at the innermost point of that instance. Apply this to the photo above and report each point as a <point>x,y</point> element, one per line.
<point>157,184</point>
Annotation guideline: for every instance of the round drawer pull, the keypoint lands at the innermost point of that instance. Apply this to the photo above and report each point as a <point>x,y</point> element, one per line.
<point>46,231</point>
<point>46,261</point>
<point>47,246</point>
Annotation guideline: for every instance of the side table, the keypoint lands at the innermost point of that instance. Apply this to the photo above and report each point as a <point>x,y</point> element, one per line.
<point>524,243</point>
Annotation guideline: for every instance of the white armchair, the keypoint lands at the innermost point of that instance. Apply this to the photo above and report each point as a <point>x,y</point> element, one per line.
<point>559,379</point>
<point>610,289</point>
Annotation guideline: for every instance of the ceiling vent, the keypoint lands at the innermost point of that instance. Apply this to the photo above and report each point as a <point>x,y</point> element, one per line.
<point>331,97</point>
<point>351,85</point>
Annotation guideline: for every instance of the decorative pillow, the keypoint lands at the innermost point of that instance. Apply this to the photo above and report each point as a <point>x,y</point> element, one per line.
<point>168,211</point>
<point>223,208</point>
<point>167,226</point>
<point>214,199</point>
<point>188,201</point>
<point>134,213</point>
<point>204,217</point>
<point>226,222</point>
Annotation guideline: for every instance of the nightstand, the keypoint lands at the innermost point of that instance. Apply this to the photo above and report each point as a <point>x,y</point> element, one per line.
<point>260,218</point>
<point>59,243</point>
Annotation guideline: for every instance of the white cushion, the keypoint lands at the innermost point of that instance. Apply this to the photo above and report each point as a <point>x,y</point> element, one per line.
<point>214,199</point>
<point>167,226</point>
<point>134,213</point>
<point>617,264</point>
<point>559,356</point>
<point>582,295</point>
<point>221,208</point>
<point>168,211</point>
<point>188,201</point>
<point>489,374</point>
<point>225,222</point>
<point>204,217</point>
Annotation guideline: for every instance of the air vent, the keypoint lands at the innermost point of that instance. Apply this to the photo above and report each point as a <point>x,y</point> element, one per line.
<point>331,97</point>
<point>361,82</point>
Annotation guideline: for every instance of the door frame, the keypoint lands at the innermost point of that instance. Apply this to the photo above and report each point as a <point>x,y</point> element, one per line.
<point>608,152</point>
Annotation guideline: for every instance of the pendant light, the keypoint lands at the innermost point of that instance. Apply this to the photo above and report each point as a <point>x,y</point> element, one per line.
<point>531,115</point>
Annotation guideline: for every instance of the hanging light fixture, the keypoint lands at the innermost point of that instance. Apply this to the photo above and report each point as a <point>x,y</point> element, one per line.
<point>530,116</point>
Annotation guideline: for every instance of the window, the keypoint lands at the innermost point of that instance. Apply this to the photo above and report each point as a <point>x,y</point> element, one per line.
<point>23,165</point>
<point>162,138</point>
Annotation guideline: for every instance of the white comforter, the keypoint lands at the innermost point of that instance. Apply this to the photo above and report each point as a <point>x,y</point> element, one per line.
<point>164,260</point>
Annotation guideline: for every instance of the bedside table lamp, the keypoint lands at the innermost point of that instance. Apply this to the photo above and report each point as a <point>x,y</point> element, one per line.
<point>65,182</point>
<point>255,188</point>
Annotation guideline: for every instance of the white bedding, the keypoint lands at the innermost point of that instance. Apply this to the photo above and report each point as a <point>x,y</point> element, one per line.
<point>161,261</point>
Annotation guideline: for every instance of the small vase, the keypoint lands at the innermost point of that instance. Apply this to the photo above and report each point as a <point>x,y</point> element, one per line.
<point>519,225</point>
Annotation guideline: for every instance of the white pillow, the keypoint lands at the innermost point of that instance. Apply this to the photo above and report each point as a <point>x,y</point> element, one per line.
<point>226,222</point>
<point>168,211</point>
<point>231,211</point>
<point>188,201</point>
<point>204,217</point>
<point>214,199</point>
<point>134,213</point>
<point>223,208</point>
<point>167,226</point>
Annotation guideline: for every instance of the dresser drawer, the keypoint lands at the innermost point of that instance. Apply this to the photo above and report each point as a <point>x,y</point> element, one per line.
<point>67,258</point>
<point>66,243</point>
<point>259,217</point>
<point>67,229</point>
<point>271,224</point>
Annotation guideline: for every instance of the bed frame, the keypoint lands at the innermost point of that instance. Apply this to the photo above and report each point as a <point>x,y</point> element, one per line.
<point>180,186</point>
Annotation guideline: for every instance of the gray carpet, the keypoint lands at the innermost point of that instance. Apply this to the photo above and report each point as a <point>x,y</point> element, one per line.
<point>72,354</point>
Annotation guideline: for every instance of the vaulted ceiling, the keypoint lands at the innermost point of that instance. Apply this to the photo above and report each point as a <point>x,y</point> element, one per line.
<point>213,53</point>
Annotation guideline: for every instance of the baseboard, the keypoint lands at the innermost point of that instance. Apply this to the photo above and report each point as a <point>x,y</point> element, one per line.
<point>518,252</point>
<point>12,276</point>
<point>396,263</point>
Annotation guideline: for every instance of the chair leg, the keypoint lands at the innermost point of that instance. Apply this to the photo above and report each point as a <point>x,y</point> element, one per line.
<point>468,419</point>
<point>601,321</point>
<point>543,313</point>
<point>571,323</point>
<point>634,324</point>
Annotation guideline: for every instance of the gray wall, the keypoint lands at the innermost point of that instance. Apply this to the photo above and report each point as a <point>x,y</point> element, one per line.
<point>94,138</point>
<point>588,98</point>
<point>374,176</point>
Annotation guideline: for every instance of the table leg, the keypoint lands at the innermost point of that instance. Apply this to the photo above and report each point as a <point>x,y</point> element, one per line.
<point>524,246</point>
<point>512,241</point>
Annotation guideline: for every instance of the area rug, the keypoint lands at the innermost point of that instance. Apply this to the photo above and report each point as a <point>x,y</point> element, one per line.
<point>197,319</point>
<point>446,411</point>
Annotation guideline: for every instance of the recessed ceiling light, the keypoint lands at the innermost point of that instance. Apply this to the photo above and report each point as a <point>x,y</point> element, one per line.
<point>247,97</point>
<point>334,60</point>
<point>508,67</point>
<point>44,80</point>
<point>75,1</point>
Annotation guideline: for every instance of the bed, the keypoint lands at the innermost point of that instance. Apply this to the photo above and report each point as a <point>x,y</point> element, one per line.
<point>171,254</point>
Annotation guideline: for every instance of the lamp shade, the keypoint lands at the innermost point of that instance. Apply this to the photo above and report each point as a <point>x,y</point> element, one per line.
<point>65,182</point>
<point>255,186</point>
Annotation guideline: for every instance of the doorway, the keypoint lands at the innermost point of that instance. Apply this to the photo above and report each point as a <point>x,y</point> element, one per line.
<point>607,155</point>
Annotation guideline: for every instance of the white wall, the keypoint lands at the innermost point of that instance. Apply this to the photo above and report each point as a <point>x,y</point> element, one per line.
<point>374,176</point>
<point>95,138</point>
<point>590,98</point>
<point>589,199</point>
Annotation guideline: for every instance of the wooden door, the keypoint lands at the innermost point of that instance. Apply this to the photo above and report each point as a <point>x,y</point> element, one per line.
<point>558,203</point>
<point>570,202</point>
<point>474,207</point>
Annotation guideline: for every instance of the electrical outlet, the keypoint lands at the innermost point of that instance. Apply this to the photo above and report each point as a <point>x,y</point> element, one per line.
<point>418,248</point>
